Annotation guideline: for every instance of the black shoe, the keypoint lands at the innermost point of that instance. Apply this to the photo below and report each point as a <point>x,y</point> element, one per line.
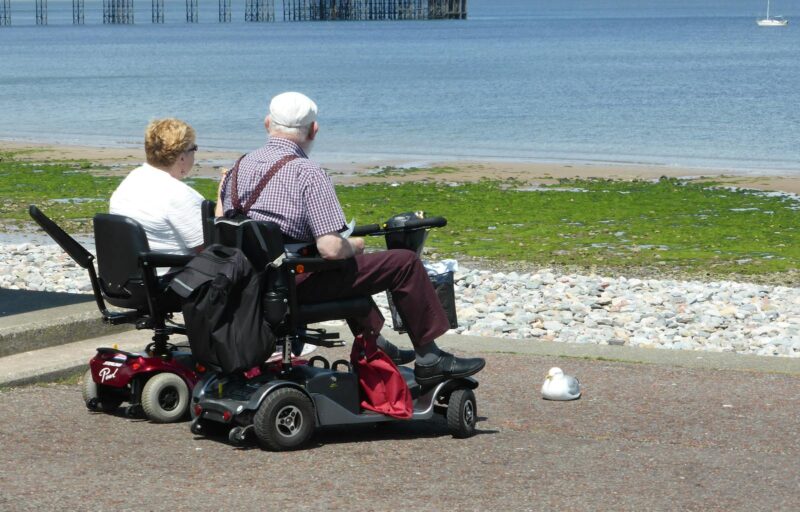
<point>398,355</point>
<point>446,367</point>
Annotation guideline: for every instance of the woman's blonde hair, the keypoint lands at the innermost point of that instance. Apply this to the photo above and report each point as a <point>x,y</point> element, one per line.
<point>165,140</point>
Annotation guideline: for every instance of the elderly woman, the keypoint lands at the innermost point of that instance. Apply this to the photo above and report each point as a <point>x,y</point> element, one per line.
<point>154,195</point>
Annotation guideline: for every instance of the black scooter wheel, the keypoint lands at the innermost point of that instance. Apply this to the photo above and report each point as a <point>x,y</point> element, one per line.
<point>285,420</point>
<point>201,427</point>
<point>237,436</point>
<point>197,427</point>
<point>462,413</point>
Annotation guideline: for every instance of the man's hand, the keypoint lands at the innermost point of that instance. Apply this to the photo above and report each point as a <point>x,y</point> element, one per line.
<point>357,244</point>
<point>332,246</point>
<point>223,172</point>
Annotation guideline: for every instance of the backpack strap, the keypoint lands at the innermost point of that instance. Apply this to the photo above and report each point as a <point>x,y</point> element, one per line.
<point>236,200</point>
<point>234,172</point>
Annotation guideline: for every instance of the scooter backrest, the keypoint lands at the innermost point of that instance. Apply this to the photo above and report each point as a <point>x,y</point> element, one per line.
<point>207,208</point>
<point>260,241</point>
<point>75,250</point>
<point>119,241</point>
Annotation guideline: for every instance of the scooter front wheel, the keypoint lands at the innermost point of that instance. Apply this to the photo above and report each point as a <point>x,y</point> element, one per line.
<point>285,420</point>
<point>462,413</point>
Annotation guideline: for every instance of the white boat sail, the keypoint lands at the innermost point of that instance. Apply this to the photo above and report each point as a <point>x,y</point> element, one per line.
<point>777,21</point>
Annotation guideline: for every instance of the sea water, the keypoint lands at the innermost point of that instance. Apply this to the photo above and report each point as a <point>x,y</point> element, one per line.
<point>673,83</point>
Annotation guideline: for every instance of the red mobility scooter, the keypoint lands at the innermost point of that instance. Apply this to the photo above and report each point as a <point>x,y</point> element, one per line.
<point>157,382</point>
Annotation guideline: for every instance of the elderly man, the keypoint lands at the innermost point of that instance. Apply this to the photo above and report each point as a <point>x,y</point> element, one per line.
<point>279,183</point>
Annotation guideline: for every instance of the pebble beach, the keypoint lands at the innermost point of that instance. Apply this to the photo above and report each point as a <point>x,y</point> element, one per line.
<point>545,304</point>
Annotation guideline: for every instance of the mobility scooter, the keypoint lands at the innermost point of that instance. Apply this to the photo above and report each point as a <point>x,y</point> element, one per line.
<point>283,402</point>
<point>157,382</point>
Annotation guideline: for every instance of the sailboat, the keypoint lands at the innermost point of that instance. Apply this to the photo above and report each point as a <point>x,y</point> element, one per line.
<point>777,21</point>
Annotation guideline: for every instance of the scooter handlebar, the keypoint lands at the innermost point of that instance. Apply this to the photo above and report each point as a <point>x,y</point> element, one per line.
<point>376,230</point>
<point>367,229</point>
<point>430,222</point>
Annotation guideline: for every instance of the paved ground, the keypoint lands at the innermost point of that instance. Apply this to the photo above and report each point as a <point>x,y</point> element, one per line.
<point>643,437</point>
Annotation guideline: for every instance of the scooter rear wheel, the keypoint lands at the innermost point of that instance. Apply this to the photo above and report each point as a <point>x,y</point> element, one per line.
<point>89,390</point>
<point>285,420</point>
<point>462,413</point>
<point>165,398</point>
<point>96,398</point>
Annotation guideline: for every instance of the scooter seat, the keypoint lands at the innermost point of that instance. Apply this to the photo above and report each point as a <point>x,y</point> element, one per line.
<point>334,310</point>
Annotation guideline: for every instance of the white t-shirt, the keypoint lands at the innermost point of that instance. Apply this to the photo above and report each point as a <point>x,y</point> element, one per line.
<point>167,209</point>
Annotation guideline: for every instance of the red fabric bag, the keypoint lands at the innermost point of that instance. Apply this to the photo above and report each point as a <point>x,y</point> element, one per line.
<point>383,388</point>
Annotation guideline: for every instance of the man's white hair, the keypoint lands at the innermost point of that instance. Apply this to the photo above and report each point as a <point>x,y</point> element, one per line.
<point>299,134</point>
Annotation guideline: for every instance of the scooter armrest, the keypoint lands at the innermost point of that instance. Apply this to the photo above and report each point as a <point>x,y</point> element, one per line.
<point>160,259</point>
<point>303,265</point>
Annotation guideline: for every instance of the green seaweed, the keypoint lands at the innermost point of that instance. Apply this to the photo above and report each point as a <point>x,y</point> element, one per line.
<point>583,223</point>
<point>692,226</point>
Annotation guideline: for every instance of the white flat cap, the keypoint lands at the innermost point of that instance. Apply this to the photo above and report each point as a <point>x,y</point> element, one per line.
<point>292,110</point>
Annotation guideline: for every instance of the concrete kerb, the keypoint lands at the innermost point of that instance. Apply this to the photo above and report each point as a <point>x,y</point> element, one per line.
<point>684,358</point>
<point>54,362</point>
<point>53,326</point>
<point>51,363</point>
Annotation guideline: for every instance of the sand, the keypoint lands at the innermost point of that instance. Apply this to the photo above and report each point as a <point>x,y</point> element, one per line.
<point>120,161</point>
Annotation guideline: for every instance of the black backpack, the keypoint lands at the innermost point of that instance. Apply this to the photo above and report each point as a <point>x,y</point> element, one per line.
<point>223,309</point>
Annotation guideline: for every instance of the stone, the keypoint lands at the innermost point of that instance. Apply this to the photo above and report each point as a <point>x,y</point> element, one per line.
<point>547,305</point>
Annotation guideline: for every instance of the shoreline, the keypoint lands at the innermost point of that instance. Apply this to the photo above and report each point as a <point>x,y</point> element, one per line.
<point>121,160</point>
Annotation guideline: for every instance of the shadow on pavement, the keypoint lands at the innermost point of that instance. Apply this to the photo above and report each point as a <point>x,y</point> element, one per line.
<point>14,302</point>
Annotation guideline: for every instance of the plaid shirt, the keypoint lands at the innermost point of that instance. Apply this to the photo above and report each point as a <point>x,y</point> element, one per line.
<point>300,197</point>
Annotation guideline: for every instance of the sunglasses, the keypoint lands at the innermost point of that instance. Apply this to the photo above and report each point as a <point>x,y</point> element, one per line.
<point>192,149</point>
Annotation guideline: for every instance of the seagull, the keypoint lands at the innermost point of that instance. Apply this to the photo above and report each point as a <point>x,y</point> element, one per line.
<point>558,386</point>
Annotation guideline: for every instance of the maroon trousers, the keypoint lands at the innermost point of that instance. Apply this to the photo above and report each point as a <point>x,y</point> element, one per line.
<point>397,270</point>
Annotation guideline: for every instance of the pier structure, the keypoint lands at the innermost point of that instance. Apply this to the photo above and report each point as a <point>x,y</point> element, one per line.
<point>360,10</point>
<point>77,12</point>
<point>118,12</point>
<point>224,11</point>
<point>259,10</point>
<point>5,12</point>
<point>122,11</point>
<point>447,9</point>
<point>191,11</point>
<point>41,12</point>
<point>157,11</point>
